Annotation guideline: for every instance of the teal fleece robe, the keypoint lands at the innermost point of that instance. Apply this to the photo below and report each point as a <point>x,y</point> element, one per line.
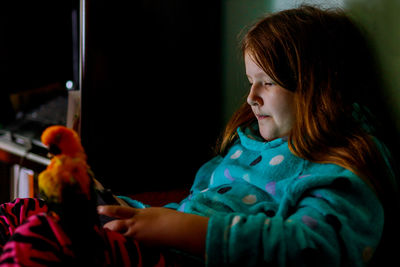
<point>268,207</point>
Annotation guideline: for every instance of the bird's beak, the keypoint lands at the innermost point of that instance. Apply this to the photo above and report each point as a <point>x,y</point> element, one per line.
<point>54,149</point>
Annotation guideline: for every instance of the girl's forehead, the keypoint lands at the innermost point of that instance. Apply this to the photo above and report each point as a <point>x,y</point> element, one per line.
<point>250,60</point>
<point>252,65</point>
<point>249,54</point>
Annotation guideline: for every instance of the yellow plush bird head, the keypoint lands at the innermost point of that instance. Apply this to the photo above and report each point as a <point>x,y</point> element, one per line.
<point>62,140</point>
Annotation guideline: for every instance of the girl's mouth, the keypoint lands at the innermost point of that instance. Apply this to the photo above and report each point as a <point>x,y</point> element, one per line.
<point>261,117</point>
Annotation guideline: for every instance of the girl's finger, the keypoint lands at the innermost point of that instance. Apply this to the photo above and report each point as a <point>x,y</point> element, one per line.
<point>117,226</point>
<point>116,211</point>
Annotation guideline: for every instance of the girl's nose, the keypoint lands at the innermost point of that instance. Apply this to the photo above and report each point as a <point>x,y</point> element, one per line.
<point>253,99</point>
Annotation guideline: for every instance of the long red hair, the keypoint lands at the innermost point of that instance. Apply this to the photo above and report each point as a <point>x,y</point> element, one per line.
<point>322,56</point>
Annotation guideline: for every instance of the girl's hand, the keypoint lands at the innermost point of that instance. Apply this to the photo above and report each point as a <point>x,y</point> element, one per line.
<point>159,227</point>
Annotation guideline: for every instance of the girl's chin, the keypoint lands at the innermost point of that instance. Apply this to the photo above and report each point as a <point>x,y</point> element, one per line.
<point>269,135</point>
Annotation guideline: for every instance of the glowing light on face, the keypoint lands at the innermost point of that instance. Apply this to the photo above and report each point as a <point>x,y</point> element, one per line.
<point>272,104</point>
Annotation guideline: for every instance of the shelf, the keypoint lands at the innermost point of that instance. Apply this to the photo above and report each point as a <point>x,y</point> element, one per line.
<point>15,153</point>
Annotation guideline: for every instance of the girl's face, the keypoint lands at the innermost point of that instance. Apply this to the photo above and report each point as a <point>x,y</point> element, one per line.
<point>272,105</point>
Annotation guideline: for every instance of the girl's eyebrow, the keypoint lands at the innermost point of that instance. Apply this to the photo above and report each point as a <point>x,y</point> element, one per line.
<point>261,75</point>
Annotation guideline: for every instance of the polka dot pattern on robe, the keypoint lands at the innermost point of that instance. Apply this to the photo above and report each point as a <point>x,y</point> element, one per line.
<point>249,199</point>
<point>237,154</point>
<point>256,161</point>
<point>270,188</point>
<point>309,221</point>
<point>228,175</point>
<point>276,160</point>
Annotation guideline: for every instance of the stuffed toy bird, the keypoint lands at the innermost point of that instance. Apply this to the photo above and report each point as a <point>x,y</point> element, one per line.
<point>68,184</point>
<point>67,187</point>
<point>72,193</point>
<point>68,171</point>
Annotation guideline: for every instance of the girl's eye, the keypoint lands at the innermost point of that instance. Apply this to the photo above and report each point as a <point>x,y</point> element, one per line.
<point>268,83</point>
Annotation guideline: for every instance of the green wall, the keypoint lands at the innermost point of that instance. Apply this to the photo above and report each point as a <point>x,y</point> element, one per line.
<point>236,14</point>
<point>381,20</point>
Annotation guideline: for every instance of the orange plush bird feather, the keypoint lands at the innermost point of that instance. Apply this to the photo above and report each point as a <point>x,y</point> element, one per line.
<point>68,172</point>
<point>67,168</point>
<point>65,140</point>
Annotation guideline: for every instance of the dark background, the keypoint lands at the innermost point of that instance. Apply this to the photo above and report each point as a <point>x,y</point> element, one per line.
<point>151,93</point>
<point>151,108</point>
<point>35,50</point>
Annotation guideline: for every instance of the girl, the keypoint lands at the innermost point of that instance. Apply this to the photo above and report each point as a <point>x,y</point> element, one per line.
<point>300,179</point>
